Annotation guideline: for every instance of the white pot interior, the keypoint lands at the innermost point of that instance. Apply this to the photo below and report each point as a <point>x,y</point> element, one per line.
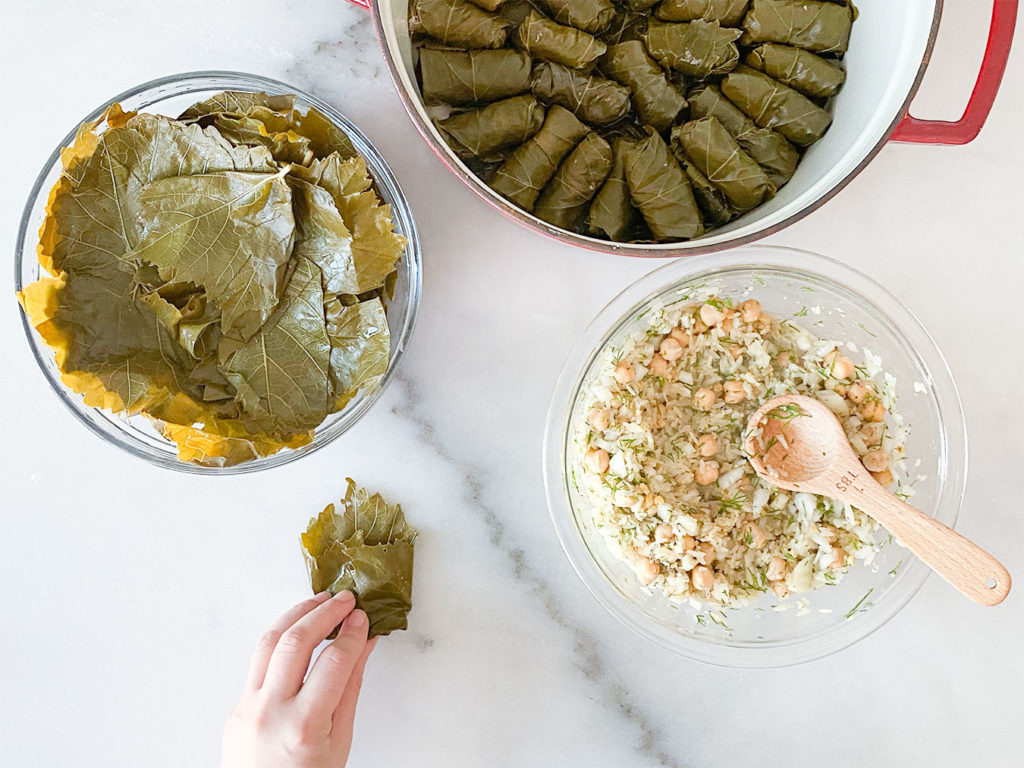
<point>887,48</point>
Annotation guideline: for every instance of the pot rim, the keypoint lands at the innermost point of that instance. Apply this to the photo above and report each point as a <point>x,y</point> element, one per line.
<point>638,250</point>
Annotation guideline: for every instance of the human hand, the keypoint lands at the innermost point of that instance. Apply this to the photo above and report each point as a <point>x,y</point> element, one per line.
<point>282,721</point>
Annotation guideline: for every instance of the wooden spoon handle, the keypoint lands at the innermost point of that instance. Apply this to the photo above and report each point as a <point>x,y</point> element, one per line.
<point>958,560</point>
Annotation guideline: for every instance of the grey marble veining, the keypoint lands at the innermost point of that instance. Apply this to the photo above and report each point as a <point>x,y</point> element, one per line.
<point>477,487</point>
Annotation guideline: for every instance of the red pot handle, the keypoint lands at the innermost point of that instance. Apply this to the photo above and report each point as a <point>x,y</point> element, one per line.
<point>361,3</point>
<point>966,129</point>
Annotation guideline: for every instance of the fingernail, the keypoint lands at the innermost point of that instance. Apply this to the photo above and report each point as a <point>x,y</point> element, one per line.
<point>345,597</point>
<point>357,619</point>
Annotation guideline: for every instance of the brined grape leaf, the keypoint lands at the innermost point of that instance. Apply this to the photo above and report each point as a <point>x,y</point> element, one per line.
<point>230,232</point>
<point>322,236</point>
<point>360,345</point>
<point>94,207</point>
<point>376,247</point>
<point>278,114</point>
<point>366,548</point>
<point>238,102</point>
<point>282,374</point>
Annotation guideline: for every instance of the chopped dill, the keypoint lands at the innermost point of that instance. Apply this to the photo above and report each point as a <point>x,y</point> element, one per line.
<point>896,568</point>
<point>801,313</point>
<point>860,602</point>
<point>786,412</point>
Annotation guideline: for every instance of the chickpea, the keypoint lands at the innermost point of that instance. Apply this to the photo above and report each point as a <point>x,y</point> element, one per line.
<point>840,559</point>
<point>750,310</point>
<point>860,390</point>
<point>711,315</point>
<point>708,550</point>
<point>756,535</point>
<point>627,500</point>
<point>884,478</point>
<point>647,570</point>
<point>871,433</point>
<point>625,373</point>
<point>599,419</point>
<point>838,364</point>
<point>663,532</point>
<point>688,543</point>
<point>784,359</point>
<point>707,445</point>
<point>873,410</point>
<point>704,399</point>
<point>734,392</point>
<point>764,322</point>
<point>681,336</point>
<point>651,500</point>
<point>776,569</point>
<point>658,365</point>
<point>699,326</point>
<point>597,460</point>
<point>703,579</point>
<point>706,472</point>
<point>735,352</point>
<point>670,349</point>
<point>875,461</point>
<point>727,325</point>
<point>780,588</point>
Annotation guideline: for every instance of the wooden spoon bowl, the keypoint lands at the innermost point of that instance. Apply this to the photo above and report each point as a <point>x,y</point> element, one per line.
<point>796,443</point>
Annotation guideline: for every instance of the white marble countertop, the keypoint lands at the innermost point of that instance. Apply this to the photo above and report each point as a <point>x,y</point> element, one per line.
<point>130,596</point>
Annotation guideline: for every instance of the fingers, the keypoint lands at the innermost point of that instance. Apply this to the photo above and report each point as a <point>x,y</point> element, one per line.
<point>291,656</point>
<point>345,713</point>
<point>334,666</point>
<point>267,643</point>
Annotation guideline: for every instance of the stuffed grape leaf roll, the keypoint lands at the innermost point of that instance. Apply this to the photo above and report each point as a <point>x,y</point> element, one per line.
<point>612,212</point>
<point>544,39</point>
<point>473,77</point>
<point>822,27</point>
<point>770,149</point>
<point>504,123</point>
<point>697,48</point>
<point>728,13</point>
<point>589,15</point>
<point>710,199</point>
<point>660,190</point>
<point>575,183</point>
<point>461,24</point>
<point>658,102</point>
<point>771,104</point>
<point>810,74</point>
<point>591,98</point>
<point>530,167</point>
<point>715,153</point>
<point>488,5</point>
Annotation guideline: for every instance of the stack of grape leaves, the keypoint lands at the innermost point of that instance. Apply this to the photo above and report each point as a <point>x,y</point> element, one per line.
<point>224,274</point>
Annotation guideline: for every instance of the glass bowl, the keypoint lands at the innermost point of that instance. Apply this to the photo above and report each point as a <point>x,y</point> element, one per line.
<point>171,96</point>
<point>852,308</point>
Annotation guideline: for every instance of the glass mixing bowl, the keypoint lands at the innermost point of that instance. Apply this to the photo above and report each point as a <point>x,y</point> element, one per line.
<point>171,96</point>
<point>852,308</point>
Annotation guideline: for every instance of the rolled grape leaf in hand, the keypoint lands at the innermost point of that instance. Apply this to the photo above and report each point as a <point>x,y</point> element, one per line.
<point>366,548</point>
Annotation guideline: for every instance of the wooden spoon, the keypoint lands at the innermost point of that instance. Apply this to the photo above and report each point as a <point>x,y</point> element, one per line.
<point>796,443</point>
